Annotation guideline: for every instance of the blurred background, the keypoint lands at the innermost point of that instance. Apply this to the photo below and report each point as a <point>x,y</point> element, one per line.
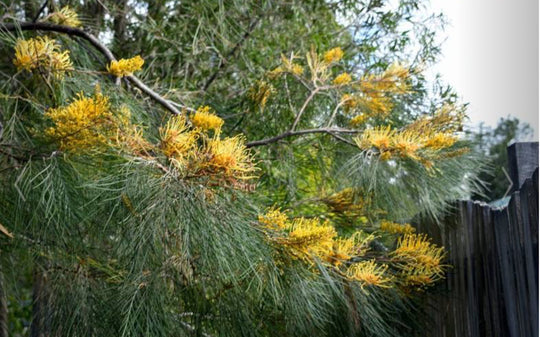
<point>490,57</point>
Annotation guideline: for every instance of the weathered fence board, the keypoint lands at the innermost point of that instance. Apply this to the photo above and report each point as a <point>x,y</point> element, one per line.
<point>492,286</point>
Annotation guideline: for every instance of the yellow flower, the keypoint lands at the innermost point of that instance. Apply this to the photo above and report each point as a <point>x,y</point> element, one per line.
<point>385,155</point>
<point>440,140</point>
<point>342,79</point>
<point>333,55</point>
<point>344,249</point>
<point>260,92</point>
<point>347,201</point>
<point>396,228</point>
<point>417,141</point>
<point>230,157</point>
<point>358,120</point>
<point>125,67</point>
<point>309,238</point>
<point>41,53</point>
<point>416,255</point>
<point>380,138</point>
<point>296,69</point>
<point>272,74</point>
<point>275,219</point>
<point>369,273</point>
<point>407,144</point>
<point>133,141</point>
<point>86,123</point>
<point>391,81</point>
<point>206,120</point>
<point>177,140</point>
<point>287,65</point>
<point>65,16</point>
<point>420,278</point>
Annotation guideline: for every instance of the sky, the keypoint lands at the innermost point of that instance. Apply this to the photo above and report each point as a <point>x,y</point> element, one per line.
<point>490,57</point>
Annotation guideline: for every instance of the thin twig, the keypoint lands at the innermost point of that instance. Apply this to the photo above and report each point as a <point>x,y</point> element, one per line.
<point>303,108</point>
<point>334,114</point>
<point>338,137</point>
<point>331,131</point>
<point>41,9</point>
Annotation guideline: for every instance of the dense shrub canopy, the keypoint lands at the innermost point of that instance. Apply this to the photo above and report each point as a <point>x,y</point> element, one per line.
<point>238,168</point>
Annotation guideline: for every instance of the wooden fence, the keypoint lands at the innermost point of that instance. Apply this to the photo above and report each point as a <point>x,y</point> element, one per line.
<point>492,286</point>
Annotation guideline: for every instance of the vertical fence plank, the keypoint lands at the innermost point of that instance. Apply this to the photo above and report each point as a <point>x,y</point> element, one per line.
<point>492,287</point>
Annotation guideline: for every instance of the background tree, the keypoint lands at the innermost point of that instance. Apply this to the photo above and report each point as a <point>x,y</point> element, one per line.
<point>257,178</point>
<point>493,143</point>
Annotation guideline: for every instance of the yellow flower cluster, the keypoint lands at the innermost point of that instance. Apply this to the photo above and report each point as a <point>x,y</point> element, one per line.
<point>274,219</point>
<point>65,16</point>
<point>131,140</point>
<point>417,144</point>
<point>374,93</point>
<point>446,120</point>
<point>342,79</point>
<point>333,55</point>
<point>415,262</point>
<point>230,157</point>
<point>309,239</point>
<point>420,261</point>
<point>358,120</point>
<point>369,273</point>
<point>206,120</point>
<point>125,67</point>
<point>178,141</point>
<point>287,66</point>
<point>347,202</point>
<point>226,158</point>
<point>345,248</point>
<point>91,124</point>
<point>86,123</point>
<point>42,54</point>
<point>260,93</point>
<point>396,228</point>
<point>392,80</point>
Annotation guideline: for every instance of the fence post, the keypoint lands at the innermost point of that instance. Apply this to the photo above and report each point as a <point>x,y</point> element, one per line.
<point>522,161</point>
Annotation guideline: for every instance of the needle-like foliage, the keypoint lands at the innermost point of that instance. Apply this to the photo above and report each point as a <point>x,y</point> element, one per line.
<point>250,183</point>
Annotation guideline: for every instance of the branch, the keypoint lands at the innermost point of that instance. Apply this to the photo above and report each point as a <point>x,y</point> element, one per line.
<point>72,31</point>
<point>41,9</point>
<point>331,131</point>
<point>304,106</point>
<point>154,95</point>
<point>334,113</point>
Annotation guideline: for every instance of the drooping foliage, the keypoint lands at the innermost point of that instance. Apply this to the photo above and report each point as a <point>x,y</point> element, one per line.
<point>277,202</point>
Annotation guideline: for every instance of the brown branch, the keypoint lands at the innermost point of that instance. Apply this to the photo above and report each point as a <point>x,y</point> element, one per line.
<point>231,53</point>
<point>41,9</point>
<point>331,131</point>
<point>154,95</point>
<point>72,31</point>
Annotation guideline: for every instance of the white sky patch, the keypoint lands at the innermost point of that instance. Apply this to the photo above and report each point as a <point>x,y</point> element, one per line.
<point>490,57</point>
